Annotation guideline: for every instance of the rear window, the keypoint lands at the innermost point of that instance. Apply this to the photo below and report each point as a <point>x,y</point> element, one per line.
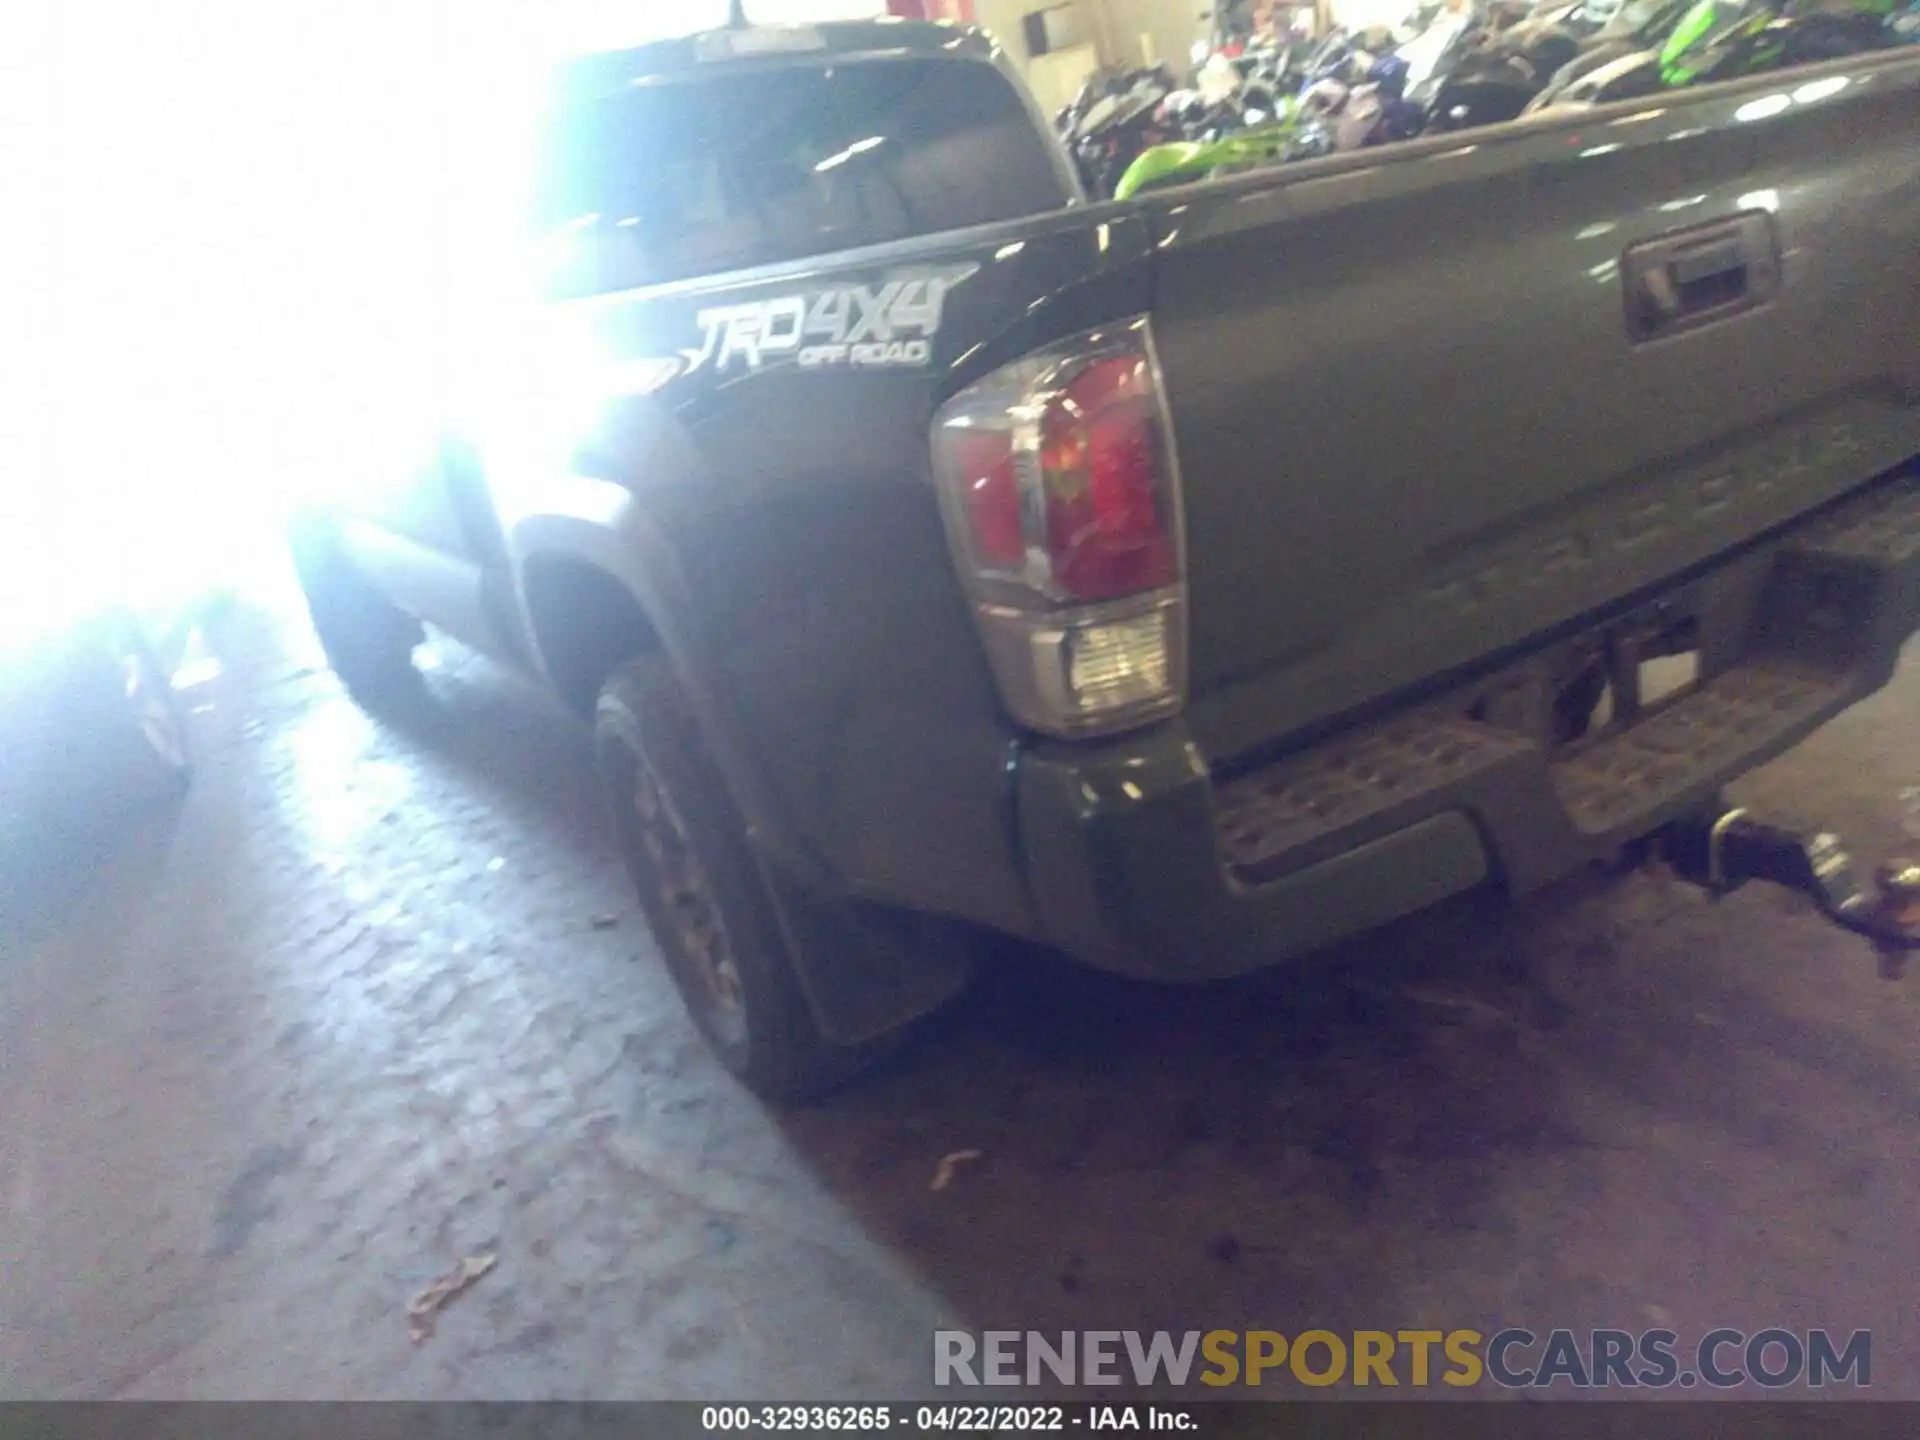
<point>720,171</point>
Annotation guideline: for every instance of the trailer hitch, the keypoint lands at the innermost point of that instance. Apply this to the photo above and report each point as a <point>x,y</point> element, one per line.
<point>1720,850</point>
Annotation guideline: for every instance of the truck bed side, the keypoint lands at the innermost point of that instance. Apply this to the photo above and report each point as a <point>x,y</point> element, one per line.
<point>1416,430</point>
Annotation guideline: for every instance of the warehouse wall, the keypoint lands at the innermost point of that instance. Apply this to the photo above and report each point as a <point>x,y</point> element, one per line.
<point>1053,78</point>
<point>1002,17</point>
<point>1115,30</point>
<point>1169,28</point>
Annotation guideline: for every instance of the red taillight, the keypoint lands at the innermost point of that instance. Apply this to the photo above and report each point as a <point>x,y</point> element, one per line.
<point>1096,525</point>
<point>1100,465</point>
<point>1057,486</point>
<point>984,460</point>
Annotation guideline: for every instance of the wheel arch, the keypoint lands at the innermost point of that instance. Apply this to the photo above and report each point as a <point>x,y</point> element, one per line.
<point>600,591</point>
<point>585,623</point>
<point>602,585</point>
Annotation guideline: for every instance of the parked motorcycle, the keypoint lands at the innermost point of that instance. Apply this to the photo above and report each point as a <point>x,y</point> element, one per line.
<point>1352,93</point>
<point>1463,69</point>
<point>1228,96</point>
<point>1496,65</point>
<point>1435,45</point>
<point>1716,41</point>
<point>1113,119</point>
<point>1378,112</point>
<point>1184,162</point>
<point>1634,28</point>
<point>1488,88</point>
<point>1347,55</point>
<point>1712,40</point>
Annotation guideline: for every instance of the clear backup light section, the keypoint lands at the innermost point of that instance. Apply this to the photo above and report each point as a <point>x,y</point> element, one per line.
<point>1104,666</point>
<point>1061,499</point>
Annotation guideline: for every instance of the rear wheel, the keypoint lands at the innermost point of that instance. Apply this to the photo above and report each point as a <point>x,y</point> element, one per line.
<point>368,640</point>
<point>701,887</point>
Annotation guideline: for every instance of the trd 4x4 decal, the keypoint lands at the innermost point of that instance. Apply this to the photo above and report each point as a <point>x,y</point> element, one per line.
<point>886,326</point>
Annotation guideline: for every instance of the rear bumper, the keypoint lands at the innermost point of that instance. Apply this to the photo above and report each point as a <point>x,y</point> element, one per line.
<point>1141,861</point>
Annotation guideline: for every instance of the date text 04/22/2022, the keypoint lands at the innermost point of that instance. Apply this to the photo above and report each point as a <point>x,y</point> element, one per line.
<point>990,1419</point>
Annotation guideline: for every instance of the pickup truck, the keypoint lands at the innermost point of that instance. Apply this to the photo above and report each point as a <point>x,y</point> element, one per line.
<point>1183,583</point>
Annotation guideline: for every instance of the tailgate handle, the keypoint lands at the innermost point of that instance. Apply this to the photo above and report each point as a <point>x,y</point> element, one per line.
<point>1696,277</point>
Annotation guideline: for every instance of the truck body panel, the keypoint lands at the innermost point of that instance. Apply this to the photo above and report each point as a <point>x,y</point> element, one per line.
<point>1416,430</point>
<point>1437,458</point>
<point>790,485</point>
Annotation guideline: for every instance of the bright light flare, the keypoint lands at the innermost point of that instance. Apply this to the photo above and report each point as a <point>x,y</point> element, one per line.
<point>250,247</point>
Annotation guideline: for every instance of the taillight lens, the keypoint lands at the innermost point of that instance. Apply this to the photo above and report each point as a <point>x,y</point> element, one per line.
<point>1058,487</point>
<point>1100,470</point>
<point>985,458</point>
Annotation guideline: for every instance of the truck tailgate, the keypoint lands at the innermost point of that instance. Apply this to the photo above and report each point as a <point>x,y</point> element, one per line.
<point>1417,428</point>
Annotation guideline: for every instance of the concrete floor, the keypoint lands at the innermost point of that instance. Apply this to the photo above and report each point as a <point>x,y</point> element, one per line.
<point>273,1062</point>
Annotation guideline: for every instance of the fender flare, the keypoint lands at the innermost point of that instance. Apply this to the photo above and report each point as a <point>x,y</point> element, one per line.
<point>864,973</point>
<point>602,524</point>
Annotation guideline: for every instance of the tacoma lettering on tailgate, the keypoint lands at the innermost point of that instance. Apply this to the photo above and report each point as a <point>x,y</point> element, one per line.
<point>1532,562</point>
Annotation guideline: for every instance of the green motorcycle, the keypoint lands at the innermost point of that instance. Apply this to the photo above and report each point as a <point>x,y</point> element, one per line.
<point>1701,31</point>
<point>1719,41</point>
<point>1184,161</point>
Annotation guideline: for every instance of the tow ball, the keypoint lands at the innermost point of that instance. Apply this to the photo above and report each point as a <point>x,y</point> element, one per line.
<point>1722,849</point>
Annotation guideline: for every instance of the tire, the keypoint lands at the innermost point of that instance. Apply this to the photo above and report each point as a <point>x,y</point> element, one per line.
<point>368,639</point>
<point>703,892</point>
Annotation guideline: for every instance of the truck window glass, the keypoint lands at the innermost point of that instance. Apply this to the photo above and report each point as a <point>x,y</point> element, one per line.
<point>711,172</point>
